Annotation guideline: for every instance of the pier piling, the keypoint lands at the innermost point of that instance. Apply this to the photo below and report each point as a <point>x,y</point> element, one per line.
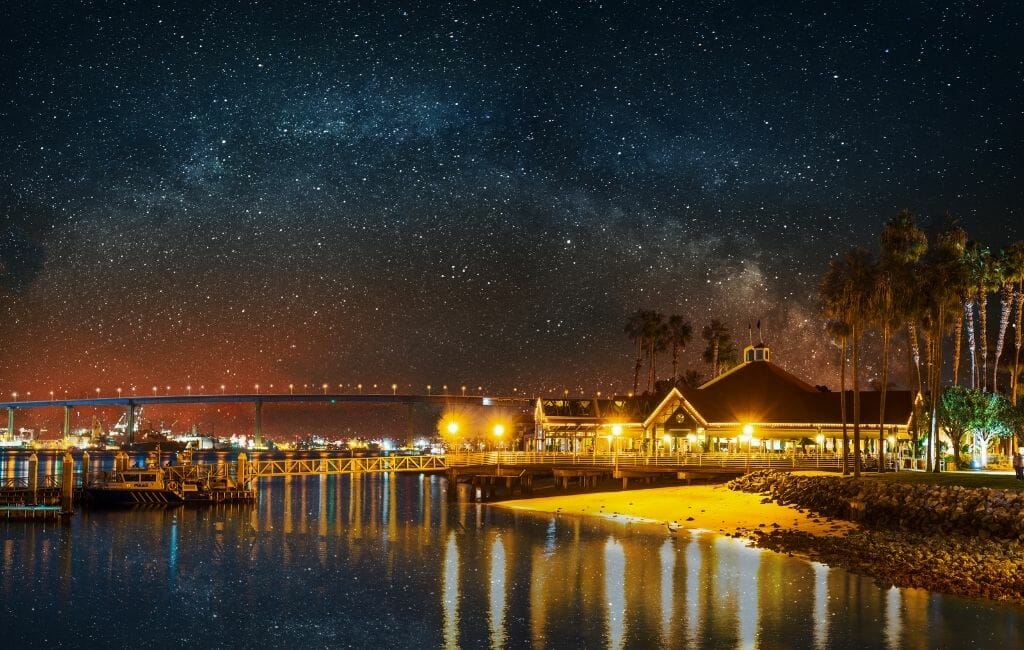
<point>67,484</point>
<point>33,477</point>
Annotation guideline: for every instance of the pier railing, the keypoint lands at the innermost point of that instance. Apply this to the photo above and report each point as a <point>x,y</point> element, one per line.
<point>736,461</point>
<point>259,468</point>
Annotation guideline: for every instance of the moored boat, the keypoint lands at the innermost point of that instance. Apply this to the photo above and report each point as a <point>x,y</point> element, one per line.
<point>167,485</point>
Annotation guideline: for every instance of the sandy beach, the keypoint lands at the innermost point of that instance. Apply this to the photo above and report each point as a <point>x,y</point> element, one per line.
<point>715,508</point>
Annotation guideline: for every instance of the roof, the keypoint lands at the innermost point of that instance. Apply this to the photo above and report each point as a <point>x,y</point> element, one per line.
<point>762,392</point>
<point>755,392</point>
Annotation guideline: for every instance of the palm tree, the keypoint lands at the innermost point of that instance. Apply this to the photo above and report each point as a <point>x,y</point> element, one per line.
<point>1011,271</point>
<point>657,341</point>
<point>972,260</point>
<point>635,330</point>
<point>715,334</point>
<point>902,245</point>
<point>679,334</point>
<point>846,290</point>
<point>839,331</point>
<point>1016,252</point>
<point>943,270</point>
<point>988,282</point>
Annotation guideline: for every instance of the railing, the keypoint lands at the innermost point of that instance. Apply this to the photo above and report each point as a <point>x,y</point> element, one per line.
<point>739,461</point>
<point>316,466</point>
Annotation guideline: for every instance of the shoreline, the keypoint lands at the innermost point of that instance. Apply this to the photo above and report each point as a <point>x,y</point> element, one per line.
<point>714,508</point>
<point>969,566</point>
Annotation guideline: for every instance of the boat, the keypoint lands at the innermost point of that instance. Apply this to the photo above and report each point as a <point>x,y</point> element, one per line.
<point>177,484</point>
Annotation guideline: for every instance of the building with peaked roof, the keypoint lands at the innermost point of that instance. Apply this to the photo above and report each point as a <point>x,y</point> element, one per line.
<point>755,405</point>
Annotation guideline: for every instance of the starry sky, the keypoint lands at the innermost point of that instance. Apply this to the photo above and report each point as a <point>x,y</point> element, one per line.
<point>470,194</point>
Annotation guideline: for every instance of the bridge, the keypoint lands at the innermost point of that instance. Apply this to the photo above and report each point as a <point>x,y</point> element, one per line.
<point>129,403</point>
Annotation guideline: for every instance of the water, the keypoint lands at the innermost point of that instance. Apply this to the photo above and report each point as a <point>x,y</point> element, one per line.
<point>387,561</point>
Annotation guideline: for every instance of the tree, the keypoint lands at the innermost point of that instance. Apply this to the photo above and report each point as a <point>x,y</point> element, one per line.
<point>657,341</point>
<point>959,410</point>
<point>1012,272</point>
<point>902,245</point>
<point>715,334</point>
<point>839,331</point>
<point>679,334</point>
<point>846,290</point>
<point>941,272</point>
<point>995,420</point>
<point>988,281</point>
<point>635,330</point>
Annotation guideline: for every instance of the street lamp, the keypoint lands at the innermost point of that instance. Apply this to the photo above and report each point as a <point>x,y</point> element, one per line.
<point>257,389</point>
<point>394,389</point>
<point>118,393</point>
<point>499,431</point>
<point>453,429</point>
<point>360,389</point>
<point>97,393</point>
<point>325,388</point>
<point>188,389</point>
<point>222,389</point>
<point>616,432</point>
<point>291,389</point>
<point>463,391</point>
<point>428,389</point>
<point>747,436</point>
<point>14,396</point>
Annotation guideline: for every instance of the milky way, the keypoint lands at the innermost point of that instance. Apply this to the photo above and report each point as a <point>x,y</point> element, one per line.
<point>426,194</point>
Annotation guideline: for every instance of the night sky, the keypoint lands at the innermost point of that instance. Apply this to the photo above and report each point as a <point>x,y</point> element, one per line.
<point>240,193</point>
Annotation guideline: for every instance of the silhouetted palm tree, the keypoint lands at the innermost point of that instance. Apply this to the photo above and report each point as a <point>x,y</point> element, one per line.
<point>679,334</point>
<point>846,291</point>
<point>715,334</point>
<point>839,331</point>
<point>902,245</point>
<point>657,341</point>
<point>635,330</point>
<point>943,269</point>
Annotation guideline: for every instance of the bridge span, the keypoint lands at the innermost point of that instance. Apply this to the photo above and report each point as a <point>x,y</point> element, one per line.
<point>130,403</point>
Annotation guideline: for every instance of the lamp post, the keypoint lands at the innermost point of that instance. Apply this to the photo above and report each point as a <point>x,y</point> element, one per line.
<point>499,431</point>
<point>453,430</point>
<point>892,452</point>
<point>616,432</point>
<point>747,436</point>
<point>394,389</point>
<point>325,388</point>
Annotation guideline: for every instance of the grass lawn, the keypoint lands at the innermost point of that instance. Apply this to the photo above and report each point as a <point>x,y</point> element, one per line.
<point>1004,480</point>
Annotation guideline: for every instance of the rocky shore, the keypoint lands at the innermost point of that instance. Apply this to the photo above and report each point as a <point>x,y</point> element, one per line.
<point>966,541</point>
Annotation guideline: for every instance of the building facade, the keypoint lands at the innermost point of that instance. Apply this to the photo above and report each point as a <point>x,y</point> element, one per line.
<point>756,406</point>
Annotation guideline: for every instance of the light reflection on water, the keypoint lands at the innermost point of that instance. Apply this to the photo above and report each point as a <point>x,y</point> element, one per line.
<point>388,561</point>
